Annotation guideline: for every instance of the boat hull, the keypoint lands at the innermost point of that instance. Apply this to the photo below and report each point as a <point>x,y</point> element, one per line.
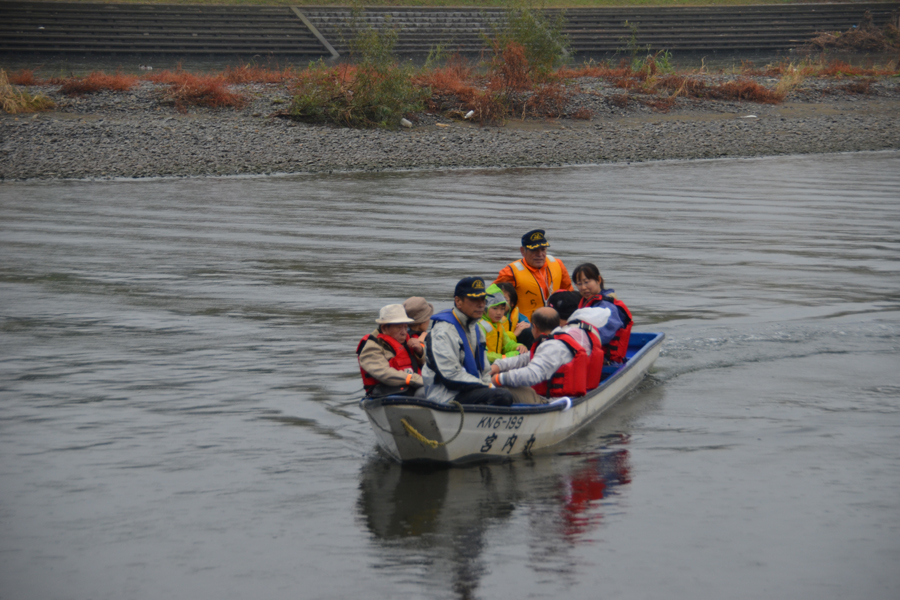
<point>480,432</point>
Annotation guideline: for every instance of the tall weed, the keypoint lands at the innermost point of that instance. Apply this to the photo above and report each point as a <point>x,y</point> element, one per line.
<point>14,101</point>
<point>541,37</point>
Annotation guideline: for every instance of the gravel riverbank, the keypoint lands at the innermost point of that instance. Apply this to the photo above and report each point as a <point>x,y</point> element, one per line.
<point>133,134</point>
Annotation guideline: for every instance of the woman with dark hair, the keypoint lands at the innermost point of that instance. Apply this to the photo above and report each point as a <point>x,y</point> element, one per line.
<point>593,293</point>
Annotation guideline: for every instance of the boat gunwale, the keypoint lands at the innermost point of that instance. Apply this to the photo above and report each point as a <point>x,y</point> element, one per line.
<point>521,409</point>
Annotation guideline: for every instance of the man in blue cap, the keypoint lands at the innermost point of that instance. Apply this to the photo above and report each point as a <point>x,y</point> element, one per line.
<point>537,275</point>
<point>456,365</point>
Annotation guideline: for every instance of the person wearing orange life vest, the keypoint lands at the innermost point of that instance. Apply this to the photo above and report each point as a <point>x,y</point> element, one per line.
<point>536,275</point>
<point>388,362</point>
<point>557,364</point>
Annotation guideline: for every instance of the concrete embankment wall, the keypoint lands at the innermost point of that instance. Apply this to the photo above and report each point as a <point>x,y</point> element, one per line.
<point>58,27</point>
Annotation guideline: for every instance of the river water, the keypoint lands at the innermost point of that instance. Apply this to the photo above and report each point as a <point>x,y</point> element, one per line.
<point>178,387</point>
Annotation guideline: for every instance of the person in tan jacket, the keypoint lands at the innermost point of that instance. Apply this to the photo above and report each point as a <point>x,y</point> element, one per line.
<point>389,361</point>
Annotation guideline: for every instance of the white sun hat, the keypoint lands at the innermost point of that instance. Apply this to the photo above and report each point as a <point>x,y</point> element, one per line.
<point>392,314</point>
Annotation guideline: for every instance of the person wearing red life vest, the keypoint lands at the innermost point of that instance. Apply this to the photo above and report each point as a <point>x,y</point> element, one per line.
<point>585,325</point>
<point>557,364</point>
<point>616,335</point>
<point>388,363</point>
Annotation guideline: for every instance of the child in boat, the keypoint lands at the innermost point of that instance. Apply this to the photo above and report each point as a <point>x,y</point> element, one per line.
<point>501,342</point>
<point>519,324</point>
<point>616,334</point>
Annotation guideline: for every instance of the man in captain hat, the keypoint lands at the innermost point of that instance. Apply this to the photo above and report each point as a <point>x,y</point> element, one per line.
<point>536,275</point>
<point>456,364</point>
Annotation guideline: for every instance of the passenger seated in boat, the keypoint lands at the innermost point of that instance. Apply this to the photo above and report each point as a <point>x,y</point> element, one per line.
<point>594,293</point>
<point>387,362</point>
<point>420,311</point>
<point>585,325</point>
<point>500,341</point>
<point>456,361</point>
<point>565,360</point>
<point>518,323</point>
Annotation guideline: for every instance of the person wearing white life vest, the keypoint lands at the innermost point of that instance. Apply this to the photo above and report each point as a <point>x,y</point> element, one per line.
<point>537,275</point>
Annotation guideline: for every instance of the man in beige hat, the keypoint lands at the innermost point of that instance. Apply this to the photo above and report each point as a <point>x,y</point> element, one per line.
<point>387,362</point>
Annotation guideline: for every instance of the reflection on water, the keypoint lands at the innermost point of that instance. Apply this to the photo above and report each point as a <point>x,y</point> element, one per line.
<point>440,518</point>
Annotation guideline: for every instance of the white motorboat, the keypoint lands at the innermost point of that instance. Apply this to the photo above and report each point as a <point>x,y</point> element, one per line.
<point>415,430</point>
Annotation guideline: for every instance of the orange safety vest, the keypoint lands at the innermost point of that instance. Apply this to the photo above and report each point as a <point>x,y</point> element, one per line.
<point>571,378</point>
<point>531,295</point>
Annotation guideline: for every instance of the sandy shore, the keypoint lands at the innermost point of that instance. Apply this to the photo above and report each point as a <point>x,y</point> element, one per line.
<point>133,134</point>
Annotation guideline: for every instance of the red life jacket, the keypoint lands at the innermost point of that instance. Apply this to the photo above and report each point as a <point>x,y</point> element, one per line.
<point>595,360</point>
<point>402,360</point>
<point>618,346</point>
<point>571,378</point>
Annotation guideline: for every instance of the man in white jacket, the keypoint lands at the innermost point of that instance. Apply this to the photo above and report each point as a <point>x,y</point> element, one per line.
<point>550,355</point>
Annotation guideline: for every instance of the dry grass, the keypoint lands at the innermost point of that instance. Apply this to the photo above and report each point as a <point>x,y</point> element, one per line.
<point>501,87</point>
<point>252,74</point>
<point>24,77</point>
<point>510,70</point>
<point>15,101</point>
<point>863,86</point>
<point>823,67</point>
<point>597,71</point>
<point>187,89</point>
<point>96,82</point>
<point>864,38</point>
<point>744,89</point>
<point>790,80</point>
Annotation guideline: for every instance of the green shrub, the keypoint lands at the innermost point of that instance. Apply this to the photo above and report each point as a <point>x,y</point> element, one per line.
<point>376,91</point>
<point>542,37</point>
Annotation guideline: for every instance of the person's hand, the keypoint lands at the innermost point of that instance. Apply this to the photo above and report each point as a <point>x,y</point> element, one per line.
<point>423,336</point>
<point>521,326</point>
<point>494,370</point>
<point>415,345</point>
<point>521,349</point>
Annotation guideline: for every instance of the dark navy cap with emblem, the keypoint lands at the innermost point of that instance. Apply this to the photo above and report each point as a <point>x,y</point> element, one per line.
<point>535,239</point>
<point>470,287</point>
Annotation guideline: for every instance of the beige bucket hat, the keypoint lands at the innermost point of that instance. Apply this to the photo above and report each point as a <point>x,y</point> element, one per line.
<point>418,309</point>
<point>392,314</point>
